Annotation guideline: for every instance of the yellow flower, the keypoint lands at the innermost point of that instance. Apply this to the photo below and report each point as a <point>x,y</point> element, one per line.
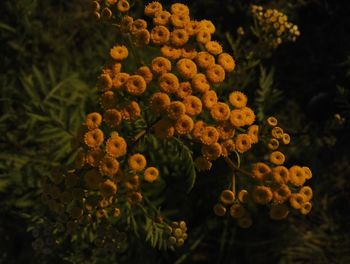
<point>237,118</point>
<point>262,195</point>
<point>213,47</point>
<point>135,85</point>
<point>152,8</point>
<point>277,157</point>
<point>237,211</point>
<point>185,89</point>
<point>204,59</point>
<point>175,110</point>
<point>161,18</point>
<point>119,52</point>
<point>116,146</point>
<point>227,62</point>
<point>159,102</point>
<point>278,211</point>
<point>186,68</point>
<point>109,166</point>
<point>160,35</point>
<point>146,73</point>
<point>219,209</point>
<point>200,83</point>
<point>93,120</point>
<point>238,99</point>
<point>243,196</point>
<point>297,175</point>
<point>253,132</point>
<point>179,37</point>
<point>273,144</point>
<point>272,121</point>
<point>226,130</point>
<point>202,164</point>
<point>189,51</point>
<point>297,200</point>
<point>280,174</point>
<point>307,173</point>
<point>137,162</point>
<point>104,82</point>
<point>249,116</point>
<point>168,83</point>
<point>171,52</point>
<point>209,135</point>
<point>215,74</point>
<point>207,25</point>
<point>164,129</point>
<point>220,111</point>
<point>306,208</point>
<point>120,79</point>
<point>193,105</point>
<point>227,197</point>
<point>260,171</point>
<point>282,193</point>
<point>179,8</point>
<point>112,117</point>
<point>285,138</point>
<point>307,192</point>
<point>94,138</point>
<point>126,23</point>
<point>277,132</point>
<point>123,6</point>
<point>209,99</point>
<point>108,188</point>
<point>243,143</point>
<point>106,13</point>
<point>211,152</point>
<point>160,65</point>
<point>141,38</point>
<point>203,36</point>
<point>151,174</point>
<point>184,125</point>
<point>137,25</point>
<point>179,20</point>
<point>93,157</point>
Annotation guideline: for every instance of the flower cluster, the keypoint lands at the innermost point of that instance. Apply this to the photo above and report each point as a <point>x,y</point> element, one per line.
<point>275,26</point>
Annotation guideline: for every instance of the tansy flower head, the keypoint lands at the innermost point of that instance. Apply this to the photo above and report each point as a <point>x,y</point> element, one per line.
<point>227,197</point>
<point>297,200</point>
<point>277,158</point>
<point>146,73</point>
<point>119,52</point>
<point>108,188</point>
<point>220,112</point>
<point>179,8</point>
<point>280,175</point>
<point>207,25</point>
<point>285,138</point>
<point>120,79</point>
<point>93,120</point>
<point>211,152</point>
<point>108,166</point>
<point>209,135</point>
<point>219,209</point>
<point>297,175</point>
<point>159,102</point>
<point>281,193</point>
<point>193,105</point>
<point>273,144</point>
<point>185,89</point>
<point>152,8</point>
<point>227,62</point>
<point>226,130</point>
<point>137,25</point>
<point>160,65</point>
<point>160,35</point>
<point>179,20</point>
<point>306,208</point>
<point>272,121</point>
<point>215,74</point>
<point>204,59</point>
<point>307,173</point>
<point>175,110</point>
<point>123,6</point>
<point>307,192</point>
<point>277,132</point>
<point>187,68</point>
<point>135,85</point>
<point>161,18</point>
<point>151,174</point>
<point>94,138</point>
<point>243,196</point>
<point>249,116</point>
<point>168,83</point>
<point>237,211</point>
<point>198,129</point>
<point>209,99</point>
<point>243,143</point>
<point>253,132</point>
<point>189,51</point>
<point>238,99</point>
<point>170,52</point>
<point>137,162</point>
<point>179,37</point>
<point>213,47</point>
<point>200,83</point>
<point>104,82</point>
<point>112,117</point>
<point>134,110</point>
<point>262,195</point>
<point>116,146</point>
<point>261,171</point>
<point>184,125</point>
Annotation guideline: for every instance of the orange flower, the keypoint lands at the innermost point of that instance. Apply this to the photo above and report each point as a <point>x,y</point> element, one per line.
<point>237,211</point>
<point>175,110</point>
<point>203,36</point>
<point>260,171</point>
<point>159,102</point>
<point>306,208</point>
<point>209,135</point>
<point>211,152</point>
<point>213,47</point>
<point>297,200</point>
<point>161,18</point>
<point>273,144</point>
<point>179,37</point>
<point>226,130</point>
<point>94,138</point>
<point>282,193</point>
<point>179,20</point>
<point>120,79</point>
<point>207,25</point>
<point>108,188</point>
<point>297,175</point>
<point>220,112</point>
<point>152,8</point>
<point>187,68</point>
<point>168,83</point>
<point>280,174</point>
<point>160,65</point>
<point>277,157</point>
<point>243,196</point>
<point>112,117</point>
<point>135,85</point>
<point>215,74</point>
<point>243,143</point>
<point>219,209</point>
<point>179,8</point>
<point>200,83</point>
<point>119,52</point>
<point>104,82</point>
<point>193,105</point>
<point>237,118</point>
<point>116,146</point>
<point>209,99</point>
<point>249,116</point>
<point>307,192</point>
<point>184,90</point>
<point>184,125</point>
<point>227,62</point>
<point>227,197</point>
<point>160,35</point>
<point>262,195</point>
<point>137,162</point>
<point>170,52</point>
<point>93,120</point>
<point>204,59</point>
<point>272,121</point>
<point>151,174</point>
<point>238,99</point>
<point>109,166</point>
<point>253,132</point>
<point>123,6</point>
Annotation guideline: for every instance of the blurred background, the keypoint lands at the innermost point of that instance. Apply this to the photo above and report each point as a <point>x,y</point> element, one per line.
<point>51,54</point>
